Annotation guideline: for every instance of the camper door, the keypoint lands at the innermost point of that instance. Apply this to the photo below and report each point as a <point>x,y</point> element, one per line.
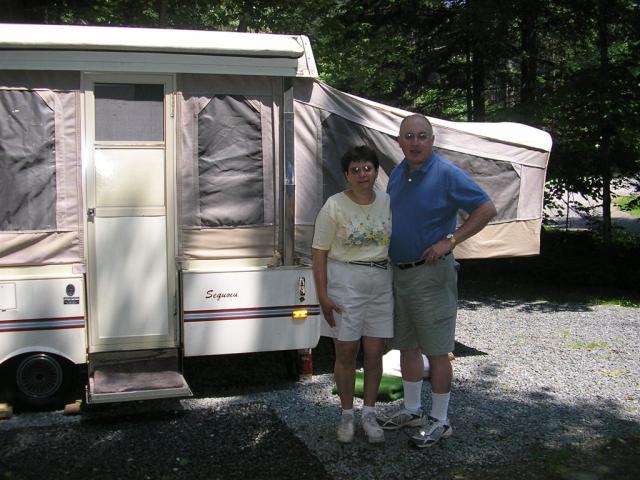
<point>129,162</point>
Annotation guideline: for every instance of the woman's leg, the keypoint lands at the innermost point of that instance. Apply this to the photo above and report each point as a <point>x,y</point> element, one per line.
<point>344,371</point>
<point>373,351</point>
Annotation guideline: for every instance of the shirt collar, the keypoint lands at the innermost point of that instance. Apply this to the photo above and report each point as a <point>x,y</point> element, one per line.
<point>423,168</point>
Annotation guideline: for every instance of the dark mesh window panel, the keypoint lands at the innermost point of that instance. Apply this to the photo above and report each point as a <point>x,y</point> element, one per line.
<point>497,178</point>
<point>27,162</point>
<point>129,112</point>
<point>338,135</point>
<point>230,164</point>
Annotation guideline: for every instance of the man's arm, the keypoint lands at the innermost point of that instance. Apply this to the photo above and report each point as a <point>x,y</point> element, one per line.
<point>477,220</point>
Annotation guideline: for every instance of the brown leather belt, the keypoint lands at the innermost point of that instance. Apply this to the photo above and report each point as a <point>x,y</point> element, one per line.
<point>405,266</point>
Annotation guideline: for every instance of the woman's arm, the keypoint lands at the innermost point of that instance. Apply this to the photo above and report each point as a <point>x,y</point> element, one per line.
<point>319,258</point>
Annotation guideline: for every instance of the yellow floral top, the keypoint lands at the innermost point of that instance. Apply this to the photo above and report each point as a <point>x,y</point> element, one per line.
<point>353,232</point>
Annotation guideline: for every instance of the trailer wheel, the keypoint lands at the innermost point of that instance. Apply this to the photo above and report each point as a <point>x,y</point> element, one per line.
<point>41,380</point>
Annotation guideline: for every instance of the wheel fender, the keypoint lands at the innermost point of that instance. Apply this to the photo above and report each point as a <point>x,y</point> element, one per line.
<point>35,349</point>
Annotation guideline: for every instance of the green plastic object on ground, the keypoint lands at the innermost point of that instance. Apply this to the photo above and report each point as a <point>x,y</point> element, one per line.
<point>389,391</point>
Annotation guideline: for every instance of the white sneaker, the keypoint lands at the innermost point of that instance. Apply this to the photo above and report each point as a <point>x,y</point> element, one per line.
<point>345,429</point>
<point>402,418</point>
<point>433,432</point>
<point>372,430</point>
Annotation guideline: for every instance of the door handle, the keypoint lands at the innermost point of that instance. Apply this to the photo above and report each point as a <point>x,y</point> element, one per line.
<point>91,214</point>
<point>302,289</point>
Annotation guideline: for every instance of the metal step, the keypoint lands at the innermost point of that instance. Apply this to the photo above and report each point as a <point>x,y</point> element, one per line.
<point>137,375</point>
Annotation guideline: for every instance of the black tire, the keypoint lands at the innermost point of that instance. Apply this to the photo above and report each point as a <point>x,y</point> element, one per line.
<point>41,380</point>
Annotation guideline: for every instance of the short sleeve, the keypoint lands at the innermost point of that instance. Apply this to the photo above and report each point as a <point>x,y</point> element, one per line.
<point>325,229</point>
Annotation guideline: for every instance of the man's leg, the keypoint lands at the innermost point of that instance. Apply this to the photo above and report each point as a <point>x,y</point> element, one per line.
<point>412,368</point>
<point>410,415</point>
<point>411,365</point>
<point>441,377</point>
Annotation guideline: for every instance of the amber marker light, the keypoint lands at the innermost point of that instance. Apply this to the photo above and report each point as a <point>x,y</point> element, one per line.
<point>300,313</point>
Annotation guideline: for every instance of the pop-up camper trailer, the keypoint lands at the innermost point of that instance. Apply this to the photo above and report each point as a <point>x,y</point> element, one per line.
<point>158,190</point>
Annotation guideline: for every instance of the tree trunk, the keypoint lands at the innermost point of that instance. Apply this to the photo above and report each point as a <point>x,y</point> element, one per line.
<point>469,88</point>
<point>605,124</point>
<point>477,62</point>
<point>529,62</point>
<point>245,16</point>
<point>162,12</point>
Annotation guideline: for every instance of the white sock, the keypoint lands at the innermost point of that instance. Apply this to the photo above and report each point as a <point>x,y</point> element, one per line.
<point>412,395</point>
<point>368,409</point>
<point>347,412</point>
<point>440,406</point>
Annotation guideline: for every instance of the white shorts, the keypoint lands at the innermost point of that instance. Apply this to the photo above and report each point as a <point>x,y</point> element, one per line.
<point>365,296</point>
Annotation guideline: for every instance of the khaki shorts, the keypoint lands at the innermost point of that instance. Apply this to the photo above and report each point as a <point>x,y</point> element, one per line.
<point>426,305</point>
<point>366,298</point>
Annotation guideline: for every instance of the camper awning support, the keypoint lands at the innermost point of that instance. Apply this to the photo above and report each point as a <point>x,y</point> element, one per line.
<point>288,215</point>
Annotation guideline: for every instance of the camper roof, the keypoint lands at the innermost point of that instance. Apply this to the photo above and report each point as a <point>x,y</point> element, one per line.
<point>197,51</point>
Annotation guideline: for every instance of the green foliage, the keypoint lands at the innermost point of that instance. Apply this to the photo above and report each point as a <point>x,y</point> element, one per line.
<point>629,203</point>
<point>610,457</point>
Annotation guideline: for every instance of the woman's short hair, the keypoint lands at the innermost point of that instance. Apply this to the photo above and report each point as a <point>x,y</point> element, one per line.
<point>359,153</point>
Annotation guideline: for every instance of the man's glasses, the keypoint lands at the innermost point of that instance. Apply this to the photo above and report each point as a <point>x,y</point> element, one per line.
<point>357,170</point>
<point>420,137</point>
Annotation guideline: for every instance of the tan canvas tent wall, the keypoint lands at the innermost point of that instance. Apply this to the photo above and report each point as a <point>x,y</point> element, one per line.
<point>508,160</point>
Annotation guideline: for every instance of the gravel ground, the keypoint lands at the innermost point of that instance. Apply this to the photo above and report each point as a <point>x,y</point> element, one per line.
<point>530,379</point>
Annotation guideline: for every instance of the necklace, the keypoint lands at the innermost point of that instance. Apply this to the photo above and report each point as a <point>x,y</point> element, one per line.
<point>365,208</point>
<point>366,211</point>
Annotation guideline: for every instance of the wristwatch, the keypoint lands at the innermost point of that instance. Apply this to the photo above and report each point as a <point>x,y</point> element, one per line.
<point>452,239</point>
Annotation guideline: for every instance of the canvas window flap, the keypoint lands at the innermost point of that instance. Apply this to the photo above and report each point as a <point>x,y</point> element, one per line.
<point>40,191</point>
<point>226,163</point>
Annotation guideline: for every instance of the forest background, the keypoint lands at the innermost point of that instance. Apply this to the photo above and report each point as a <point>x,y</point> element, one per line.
<point>569,67</point>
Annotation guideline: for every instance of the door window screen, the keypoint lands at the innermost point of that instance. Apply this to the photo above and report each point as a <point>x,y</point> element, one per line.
<point>129,112</point>
<point>27,162</point>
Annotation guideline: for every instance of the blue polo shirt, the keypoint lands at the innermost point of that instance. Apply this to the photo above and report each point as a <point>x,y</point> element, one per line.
<point>425,204</point>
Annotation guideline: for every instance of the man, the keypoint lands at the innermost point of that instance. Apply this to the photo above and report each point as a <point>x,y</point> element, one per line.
<point>427,192</point>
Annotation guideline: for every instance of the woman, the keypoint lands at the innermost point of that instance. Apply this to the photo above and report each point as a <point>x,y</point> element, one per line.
<point>353,281</point>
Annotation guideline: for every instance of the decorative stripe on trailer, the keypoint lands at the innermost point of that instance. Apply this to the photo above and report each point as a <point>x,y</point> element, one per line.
<point>247,313</point>
<point>28,325</point>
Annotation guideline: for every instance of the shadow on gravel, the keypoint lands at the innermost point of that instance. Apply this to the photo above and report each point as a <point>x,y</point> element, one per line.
<point>476,302</point>
<point>238,441</point>
<point>537,438</point>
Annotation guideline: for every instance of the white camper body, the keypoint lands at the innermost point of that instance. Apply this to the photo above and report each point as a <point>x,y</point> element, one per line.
<point>158,190</point>
<point>147,178</point>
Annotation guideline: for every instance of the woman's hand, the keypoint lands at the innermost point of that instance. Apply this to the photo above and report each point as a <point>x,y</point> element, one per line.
<point>328,307</point>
